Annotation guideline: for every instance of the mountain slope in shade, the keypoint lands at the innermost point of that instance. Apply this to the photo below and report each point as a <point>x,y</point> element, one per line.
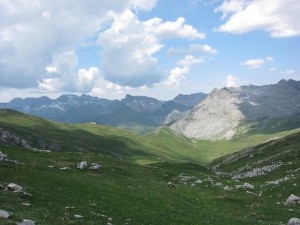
<point>229,111</point>
<point>136,113</point>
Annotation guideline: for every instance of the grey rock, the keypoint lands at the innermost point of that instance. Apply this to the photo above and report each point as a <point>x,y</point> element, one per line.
<point>65,168</point>
<point>77,216</point>
<point>2,156</point>
<point>294,221</point>
<point>8,138</point>
<point>95,166</point>
<point>292,199</point>
<point>4,214</point>
<point>14,187</point>
<point>82,165</point>
<point>26,222</point>
<point>171,185</point>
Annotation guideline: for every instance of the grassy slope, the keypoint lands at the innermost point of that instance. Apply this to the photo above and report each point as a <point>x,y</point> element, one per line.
<point>135,194</point>
<point>77,137</point>
<point>177,147</point>
<point>160,145</point>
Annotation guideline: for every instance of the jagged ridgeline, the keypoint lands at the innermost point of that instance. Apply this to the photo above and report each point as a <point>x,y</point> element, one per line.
<point>228,112</point>
<point>135,113</point>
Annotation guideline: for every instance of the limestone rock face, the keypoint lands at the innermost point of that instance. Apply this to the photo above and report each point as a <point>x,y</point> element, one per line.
<point>215,118</point>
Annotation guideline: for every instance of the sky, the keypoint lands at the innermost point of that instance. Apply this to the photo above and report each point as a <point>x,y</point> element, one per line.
<point>157,48</point>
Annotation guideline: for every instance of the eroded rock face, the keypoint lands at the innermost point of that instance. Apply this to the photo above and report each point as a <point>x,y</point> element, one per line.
<point>215,118</point>
<point>8,138</point>
<point>224,112</point>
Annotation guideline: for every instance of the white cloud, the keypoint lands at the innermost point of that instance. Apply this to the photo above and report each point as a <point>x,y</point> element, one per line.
<point>256,63</point>
<point>231,6</point>
<point>35,33</point>
<point>231,81</point>
<point>192,49</point>
<point>288,72</point>
<point>176,77</point>
<point>190,60</point>
<point>129,44</point>
<point>142,4</point>
<point>279,18</point>
<point>170,30</point>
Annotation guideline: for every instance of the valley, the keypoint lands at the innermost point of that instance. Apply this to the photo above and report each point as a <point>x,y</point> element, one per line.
<point>86,173</point>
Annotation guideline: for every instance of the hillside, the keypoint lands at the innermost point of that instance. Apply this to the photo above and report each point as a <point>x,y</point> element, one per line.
<point>229,112</point>
<point>162,193</point>
<point>162,144</point>
<point>46,134</point>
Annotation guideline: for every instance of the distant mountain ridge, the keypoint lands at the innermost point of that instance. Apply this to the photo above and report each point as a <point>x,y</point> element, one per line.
<point>136,113</point>
<point>227,112</point>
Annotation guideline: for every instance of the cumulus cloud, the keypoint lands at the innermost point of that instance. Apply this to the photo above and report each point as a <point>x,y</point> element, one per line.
<point>176,77</point>
<point>128,46</point>
<point>256,63</point>
<point>231,81</point>
<point>190,60</point>
<point>279,19</point>
<point>191,50</point>
<point>36,35</point>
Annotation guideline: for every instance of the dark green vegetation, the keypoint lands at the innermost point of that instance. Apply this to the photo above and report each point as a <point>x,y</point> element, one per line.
<point>130,193</point>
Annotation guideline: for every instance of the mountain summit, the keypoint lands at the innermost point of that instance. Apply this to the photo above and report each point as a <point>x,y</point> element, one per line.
<point>229,111</point>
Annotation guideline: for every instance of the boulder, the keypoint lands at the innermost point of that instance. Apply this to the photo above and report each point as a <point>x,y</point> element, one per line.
<point>26,222</point>
<point>82,165</point>
<point>294,221</point>
<point>293,199</point>
<point>95,166</point>
<point>14,187</point>
<point>4,214</point>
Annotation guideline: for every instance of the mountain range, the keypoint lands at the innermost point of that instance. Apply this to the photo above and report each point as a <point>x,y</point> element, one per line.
<point>227,112</point>
<point>221,114</point>
<point>135,113</point>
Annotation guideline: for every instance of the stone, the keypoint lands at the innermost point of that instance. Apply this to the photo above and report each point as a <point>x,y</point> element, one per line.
<point>65,168</point>
<point>4,214</point>
<point>26,222</point>
<point>95,166</point>
<point>2,156</point>
<point>292,199</point>
<point>14,187</point>
<point>78,216</point>
<point>171,185</point>
<point>82,165</point>
<point>294,221</point>
<point>25,196</point>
